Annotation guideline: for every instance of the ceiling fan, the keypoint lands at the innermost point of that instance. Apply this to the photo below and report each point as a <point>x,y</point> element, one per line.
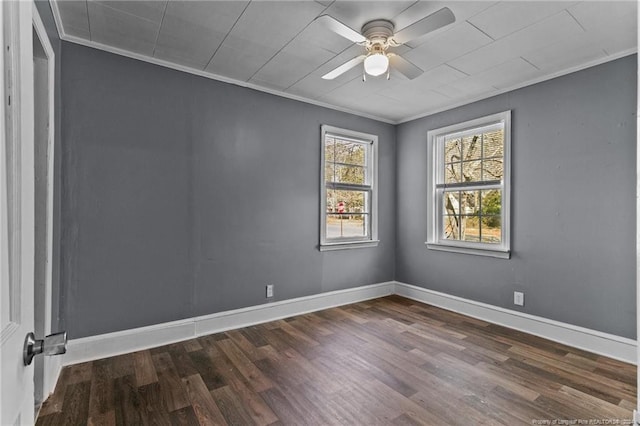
<point>378,37</point>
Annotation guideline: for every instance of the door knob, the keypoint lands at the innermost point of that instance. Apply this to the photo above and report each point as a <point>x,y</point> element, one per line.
<point>53,344</point>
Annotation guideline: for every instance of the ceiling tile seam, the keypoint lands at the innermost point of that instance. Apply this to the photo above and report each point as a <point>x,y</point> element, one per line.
<point>576,19</point>
<point>122,11</point>
<point>288,43</point>
<point>227,35</point>
<point>343,84</point>
<point>404,10</point>
<point>322,64</point>
<point>451,66</point>
<point>86,5</point>
<point>566,9</point>
<point>164,13</point>
<point>442,93</point>
<point>474,26</point>
<point>530,63</point>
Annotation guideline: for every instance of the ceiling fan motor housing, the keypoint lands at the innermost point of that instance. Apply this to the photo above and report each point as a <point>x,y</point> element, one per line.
<point>378,31</point>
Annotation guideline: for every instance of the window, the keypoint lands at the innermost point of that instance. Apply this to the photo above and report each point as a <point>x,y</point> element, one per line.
<point>470,186</point>
<point>348,200</point>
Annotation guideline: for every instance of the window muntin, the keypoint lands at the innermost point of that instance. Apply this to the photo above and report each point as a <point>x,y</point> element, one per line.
<point>348,191</point>
<point>470,186</point>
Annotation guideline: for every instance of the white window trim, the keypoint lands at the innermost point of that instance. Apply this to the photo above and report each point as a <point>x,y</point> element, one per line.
<point>373,167</point>
<point>434,242</point>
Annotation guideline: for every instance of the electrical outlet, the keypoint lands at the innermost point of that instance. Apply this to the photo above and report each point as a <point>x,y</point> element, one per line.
<point>269,290</point>
<point>518,298</point>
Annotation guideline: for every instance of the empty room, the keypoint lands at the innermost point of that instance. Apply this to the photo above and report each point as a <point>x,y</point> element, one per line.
<point>319,212</point>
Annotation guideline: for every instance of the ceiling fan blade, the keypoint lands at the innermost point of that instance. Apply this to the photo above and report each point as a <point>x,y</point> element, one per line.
<point>344,67</point>
<point>405,67</point>
<point>341,29</point>
<point>427,24</point>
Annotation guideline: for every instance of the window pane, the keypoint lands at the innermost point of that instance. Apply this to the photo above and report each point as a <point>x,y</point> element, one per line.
<point>350,153</point>
<point>491,229</point>
<point>492,169</point>
<point>451,228</point>
<point>329,147</point>
<point>350,174</point>
<point>472,147</point>
<point>470,202</point>
<point>347,201</point>
<point>493,145</point>
<point>452,150</point>
<point>328,173</point>
<point>347,226</point>
<point>491,202</point>
<point>472,171</point>
<point>470,228</point>
<point>452,173</point>
<point>451,203</point>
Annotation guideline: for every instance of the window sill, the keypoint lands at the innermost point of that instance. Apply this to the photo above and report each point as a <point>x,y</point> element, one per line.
<point>502,254</point>
<point>348,245</point>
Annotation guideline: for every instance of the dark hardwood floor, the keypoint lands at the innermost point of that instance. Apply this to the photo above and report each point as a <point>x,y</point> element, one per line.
<point>385,361</point>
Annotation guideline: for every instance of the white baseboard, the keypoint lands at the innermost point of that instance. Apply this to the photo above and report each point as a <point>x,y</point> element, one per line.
<point>120,342</point>
<point>609,345</point>
<point>117,343</point>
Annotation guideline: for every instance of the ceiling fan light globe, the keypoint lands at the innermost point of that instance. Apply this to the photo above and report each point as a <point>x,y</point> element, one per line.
<point>376,64</point>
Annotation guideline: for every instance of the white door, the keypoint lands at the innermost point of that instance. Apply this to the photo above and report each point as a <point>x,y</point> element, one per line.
<point>16,212</point>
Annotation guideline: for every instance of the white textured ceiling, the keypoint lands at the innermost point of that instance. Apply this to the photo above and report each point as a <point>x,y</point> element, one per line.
<point>278,47</point>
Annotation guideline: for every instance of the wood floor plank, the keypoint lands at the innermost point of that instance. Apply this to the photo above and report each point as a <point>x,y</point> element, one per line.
<point>231,406</point>
<point>254,335</point>
<point>127,401</point>
<point>245,345</point>
<point>181,360</point>
<point>120,366</point>
<point>78,373</point>
<point>259,411</point>
<point>154,410</point>
<point>384,361</point>
<point>173,392</point>
<point>101,394</point>
<point>192,345</point>
<point>281,406</point>
<point>204,407</point>
<point>207,369</point>
<point>144,368</point>
<point>258,381</point>
<point>104,419</point>
<point>75,409</point>
<point>184,417</point>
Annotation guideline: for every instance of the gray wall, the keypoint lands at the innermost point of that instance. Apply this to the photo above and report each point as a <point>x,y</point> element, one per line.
<point>57,320</point>
<point>573,202</point>
<point>184,196</point>
<point>188,200</point>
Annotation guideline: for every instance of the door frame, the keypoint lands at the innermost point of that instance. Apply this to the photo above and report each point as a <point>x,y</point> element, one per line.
<point>51,364</point>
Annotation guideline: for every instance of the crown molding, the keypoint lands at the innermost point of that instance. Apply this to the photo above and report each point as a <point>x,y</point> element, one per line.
<point>245,84</point>
<point>531,82</point>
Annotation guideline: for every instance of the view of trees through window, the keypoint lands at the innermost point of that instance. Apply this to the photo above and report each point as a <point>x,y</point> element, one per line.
<point>472,198</point>
<point>348,190</point>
